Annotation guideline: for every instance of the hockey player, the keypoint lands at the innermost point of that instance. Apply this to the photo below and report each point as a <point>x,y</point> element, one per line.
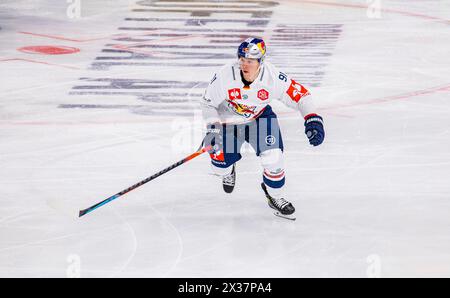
<point>236,108</point>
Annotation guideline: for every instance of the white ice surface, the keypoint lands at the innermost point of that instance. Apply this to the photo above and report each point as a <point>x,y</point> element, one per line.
<point>374,198</point>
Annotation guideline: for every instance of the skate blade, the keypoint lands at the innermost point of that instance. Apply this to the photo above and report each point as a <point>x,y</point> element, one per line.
<point>290,217</point>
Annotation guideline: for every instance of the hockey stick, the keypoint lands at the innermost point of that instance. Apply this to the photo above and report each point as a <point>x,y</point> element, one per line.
<point>184,160</point>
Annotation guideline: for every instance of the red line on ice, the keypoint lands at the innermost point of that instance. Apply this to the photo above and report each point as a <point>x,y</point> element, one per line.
<point>39,62</point>
<point>387,10</point>
<point>392,97</point>
<point>63,38</point>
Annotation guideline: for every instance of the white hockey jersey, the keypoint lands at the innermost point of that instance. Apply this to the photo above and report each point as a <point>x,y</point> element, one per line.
<point>228,100</point>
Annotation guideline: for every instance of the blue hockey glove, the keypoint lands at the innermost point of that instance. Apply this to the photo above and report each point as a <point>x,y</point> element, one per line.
<point>314,129</point>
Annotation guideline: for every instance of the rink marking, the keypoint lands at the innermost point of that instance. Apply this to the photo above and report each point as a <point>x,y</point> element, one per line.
<point>76,234</point>
<point>90,122</point>
<point>148,52</point>
<point>49,50</point>
<point>377,100</point>
<point>350,105</point>
<point>122,35</point>
<point>387,10</point>
<point>135,244</point>
<point>111,36</point>
<point>39,62</point>
<point>393,97</point>
<point>69,39</point>
<point>128,52</point>
<point>38,242</point>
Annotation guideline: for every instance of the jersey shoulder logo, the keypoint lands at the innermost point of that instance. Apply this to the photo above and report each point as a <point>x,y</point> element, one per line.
<point>263,94</point>
<point>242,109</point>
<point>296,91</point>
<point>234,94</point>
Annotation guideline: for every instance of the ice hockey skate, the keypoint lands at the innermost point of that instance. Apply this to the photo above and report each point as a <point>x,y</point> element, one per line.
<point>282,207</point>
<point>229,181</point>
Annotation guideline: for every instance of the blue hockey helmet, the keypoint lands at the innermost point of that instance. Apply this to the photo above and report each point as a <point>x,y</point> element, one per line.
<point>253,48</point>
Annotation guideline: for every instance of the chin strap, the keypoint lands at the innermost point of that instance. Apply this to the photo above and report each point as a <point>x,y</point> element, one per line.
<point>257,72</point>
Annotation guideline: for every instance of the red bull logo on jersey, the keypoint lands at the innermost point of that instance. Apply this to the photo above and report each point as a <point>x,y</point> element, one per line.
<point>296,91</point>
<point>263,94</point>
<point>234,94</point>
<point>241,109</point>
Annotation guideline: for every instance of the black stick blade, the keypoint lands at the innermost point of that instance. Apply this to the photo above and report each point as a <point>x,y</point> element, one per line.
<point>82,212</point>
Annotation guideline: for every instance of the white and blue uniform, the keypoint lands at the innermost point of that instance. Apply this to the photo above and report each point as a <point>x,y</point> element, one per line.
<point>246,116</point>
<point>227,100</point>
